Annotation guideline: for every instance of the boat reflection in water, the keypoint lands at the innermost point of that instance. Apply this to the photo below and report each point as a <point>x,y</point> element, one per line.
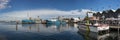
<point>87,35</point>
<point>31,26</point>
<point>43,27</point>
<point>61,32</point>
<point>47,29</point>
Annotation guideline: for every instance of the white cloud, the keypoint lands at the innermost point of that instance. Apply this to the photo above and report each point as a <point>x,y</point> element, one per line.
<point>4,4</point>
<point>45,13</point>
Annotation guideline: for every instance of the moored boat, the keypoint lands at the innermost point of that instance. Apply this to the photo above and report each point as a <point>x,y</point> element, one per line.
<point>93,24</point>
<point>31,21</point>
<point>58,20</point>
<point>95,28</point>
<point>54,21</point>
<point>28,21</point>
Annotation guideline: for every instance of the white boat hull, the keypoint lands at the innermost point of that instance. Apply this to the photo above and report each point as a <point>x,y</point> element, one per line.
<point>93,28</point>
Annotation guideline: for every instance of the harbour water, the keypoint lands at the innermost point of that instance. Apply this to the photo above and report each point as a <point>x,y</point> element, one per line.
<point>50,32</point>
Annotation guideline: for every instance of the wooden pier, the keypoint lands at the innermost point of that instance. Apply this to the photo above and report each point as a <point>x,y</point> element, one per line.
<point>114,28</point>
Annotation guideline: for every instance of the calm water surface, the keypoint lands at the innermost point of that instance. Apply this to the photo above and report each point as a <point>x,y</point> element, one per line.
<point>43,32</point>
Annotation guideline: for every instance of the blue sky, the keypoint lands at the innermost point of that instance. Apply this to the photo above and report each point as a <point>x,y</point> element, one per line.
<point>59,5</point>
<point>96,5</point>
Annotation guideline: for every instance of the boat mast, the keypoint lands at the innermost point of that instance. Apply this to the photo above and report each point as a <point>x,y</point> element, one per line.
<point>88,27</point>
<point>87,21</point>
<point>28,15</point>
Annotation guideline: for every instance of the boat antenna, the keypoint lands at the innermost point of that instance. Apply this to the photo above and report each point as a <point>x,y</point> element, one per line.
<point>27,14</point>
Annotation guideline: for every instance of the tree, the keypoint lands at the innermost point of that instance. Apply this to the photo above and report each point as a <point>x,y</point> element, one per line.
<point>99,14</point>
<point>94,14</point>
<point>117,12</point>
<point>110,13</point>
<point>104,13</point>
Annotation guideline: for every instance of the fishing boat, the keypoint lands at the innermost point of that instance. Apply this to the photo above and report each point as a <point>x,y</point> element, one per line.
<point>31,21</point>
<point>92,36</point>
<point>58,20</point>
<point>37,20</point>
<point>93,24</point>
<point>54,21</point>
<point>101,27</point>
<point>95,28</point>
<point>75,20</point>
<point>26,21</point>
<point>95,31</point>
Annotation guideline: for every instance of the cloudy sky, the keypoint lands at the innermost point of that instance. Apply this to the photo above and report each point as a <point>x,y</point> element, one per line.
<point>53,8</point>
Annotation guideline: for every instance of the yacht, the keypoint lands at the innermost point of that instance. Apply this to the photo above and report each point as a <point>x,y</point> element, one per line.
<point>97,27</point>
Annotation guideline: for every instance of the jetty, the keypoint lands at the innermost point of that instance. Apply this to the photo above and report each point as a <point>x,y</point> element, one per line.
<point>114,28</point>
